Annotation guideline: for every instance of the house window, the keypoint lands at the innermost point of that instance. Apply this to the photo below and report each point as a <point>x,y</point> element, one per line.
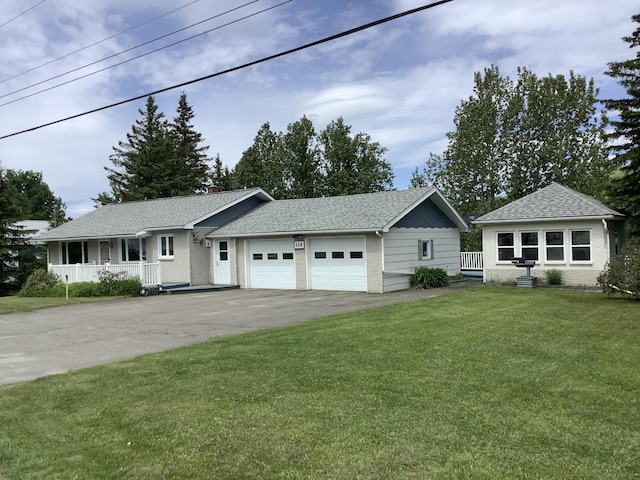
<point>166,246</point>
<point>356,255</point>
<point>337,254</point>
<point>320,255</point>
<point>529,244</point>
<point>287,256</point>
<point>272,256</point>
<point>554,246</point>
<point>425,249</point>
<point>581,245</point>
<point>257,256</point>
<point>506,250</point>
<point>133,249</point>
<point>74,252</point>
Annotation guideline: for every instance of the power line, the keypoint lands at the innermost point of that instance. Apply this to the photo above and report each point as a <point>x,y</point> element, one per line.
<point>128,50</point>
<point>99,41</point>
<point>239,67</point>
<point>20,14</point>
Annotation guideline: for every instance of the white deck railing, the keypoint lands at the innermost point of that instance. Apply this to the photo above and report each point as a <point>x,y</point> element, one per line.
<point>149,273</point>
<point>471,261</point>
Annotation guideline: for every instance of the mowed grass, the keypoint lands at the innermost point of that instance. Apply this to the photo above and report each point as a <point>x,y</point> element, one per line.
<point>489,382</point>
<point>15,304</point>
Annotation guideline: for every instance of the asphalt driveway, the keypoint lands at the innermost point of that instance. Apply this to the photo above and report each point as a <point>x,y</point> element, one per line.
<point>57,340</point>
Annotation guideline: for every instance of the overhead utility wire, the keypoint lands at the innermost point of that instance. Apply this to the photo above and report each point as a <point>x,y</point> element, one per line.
<point>139,56</point>
<point>99,41</point>
<point>128,50</point>
<point>20,14</point>
<point>239,67</point>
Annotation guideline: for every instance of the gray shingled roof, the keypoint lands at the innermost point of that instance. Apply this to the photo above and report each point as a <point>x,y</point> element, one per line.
<point>364,212</point>
<point>125,219</point>
<point>553,202</point>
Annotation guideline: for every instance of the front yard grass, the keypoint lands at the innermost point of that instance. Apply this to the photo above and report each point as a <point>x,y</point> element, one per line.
<point>22,304</point>
<point>489,382</point>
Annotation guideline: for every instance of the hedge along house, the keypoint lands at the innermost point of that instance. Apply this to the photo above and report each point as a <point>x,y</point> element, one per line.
<point>161,241</point>
<point>369,242</point>
<point>556,227</point>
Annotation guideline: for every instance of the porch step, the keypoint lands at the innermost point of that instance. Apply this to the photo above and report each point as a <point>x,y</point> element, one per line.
<point>186,288</point>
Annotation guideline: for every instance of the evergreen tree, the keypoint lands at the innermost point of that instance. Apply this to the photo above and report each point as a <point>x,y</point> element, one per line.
<point>626,187</point>
<point>191,173</point>
<point>13,243</point>
<point>220,175</point>
<point>353,164</point>
<point>158,159</point>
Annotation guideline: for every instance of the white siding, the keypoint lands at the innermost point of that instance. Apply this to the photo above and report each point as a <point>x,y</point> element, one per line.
<point>401,253</point>
<point>574,273</point>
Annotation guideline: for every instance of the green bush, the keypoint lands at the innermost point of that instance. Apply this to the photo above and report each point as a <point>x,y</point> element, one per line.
<point>130,288</point>
<point>554,276</point>
<point>425,277</point>
<point>622,274</point>
<point>41,279</point>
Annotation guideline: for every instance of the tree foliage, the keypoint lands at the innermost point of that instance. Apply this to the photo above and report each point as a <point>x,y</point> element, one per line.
<point>302,163</point>
<point>512,139</point>
<point>13,242</point>
<point>32,198</point>
<point>625,188</point>
<point>622,273</point>
<point>158,158</point>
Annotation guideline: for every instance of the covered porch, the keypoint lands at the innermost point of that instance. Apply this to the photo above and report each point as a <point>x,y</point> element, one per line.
<point>149,273</point>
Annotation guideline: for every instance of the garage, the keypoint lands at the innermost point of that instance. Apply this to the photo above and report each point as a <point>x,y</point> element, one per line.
<point>337,264</point>
<point>271,264</point>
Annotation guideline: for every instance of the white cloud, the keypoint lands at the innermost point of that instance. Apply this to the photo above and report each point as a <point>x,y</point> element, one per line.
<point>399,82</point>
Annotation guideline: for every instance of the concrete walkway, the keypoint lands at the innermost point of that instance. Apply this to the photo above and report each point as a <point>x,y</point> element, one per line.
<point>57,340</point>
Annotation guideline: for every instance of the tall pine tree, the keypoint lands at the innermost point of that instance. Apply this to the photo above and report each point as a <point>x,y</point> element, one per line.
<point>191,173</point>
<point>12,239</point>
<point>626,187</point>
<point>158,159</point>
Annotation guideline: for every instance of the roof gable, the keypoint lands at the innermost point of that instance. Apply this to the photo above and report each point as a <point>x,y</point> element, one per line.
<point>130,218</point>
<point>554,202</point>
<point>347,213</point>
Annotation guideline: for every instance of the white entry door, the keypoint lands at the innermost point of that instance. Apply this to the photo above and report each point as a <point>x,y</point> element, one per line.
<point>222,264</point>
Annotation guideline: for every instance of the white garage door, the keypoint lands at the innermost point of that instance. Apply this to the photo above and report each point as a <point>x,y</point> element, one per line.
<point>337,264</point>
<point>271,264</point>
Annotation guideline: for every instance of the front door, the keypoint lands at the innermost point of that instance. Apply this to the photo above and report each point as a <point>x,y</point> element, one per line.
<point>222,266</point>
<point>105,252</point>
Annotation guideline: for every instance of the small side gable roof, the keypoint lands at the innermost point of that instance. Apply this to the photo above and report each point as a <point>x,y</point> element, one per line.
<point>131,218</point>
<point>554,202</point>
<point>348,213</point>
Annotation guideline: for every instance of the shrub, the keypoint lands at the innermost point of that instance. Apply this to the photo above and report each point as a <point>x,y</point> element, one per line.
<point>38,283</point>
<point>425,277</point>
<point>554,276</point>
<point>622,274</point>
<point>41,278</point>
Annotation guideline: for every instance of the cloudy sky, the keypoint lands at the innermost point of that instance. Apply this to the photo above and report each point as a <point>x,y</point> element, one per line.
<point>400,82</point>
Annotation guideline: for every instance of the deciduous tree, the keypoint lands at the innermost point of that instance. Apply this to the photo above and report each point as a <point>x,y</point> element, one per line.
<point>512,139</point>
<point>353,164</point>
<point>33,199</point>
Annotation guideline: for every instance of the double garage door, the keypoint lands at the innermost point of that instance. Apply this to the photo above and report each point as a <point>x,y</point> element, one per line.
<point>332,264</point>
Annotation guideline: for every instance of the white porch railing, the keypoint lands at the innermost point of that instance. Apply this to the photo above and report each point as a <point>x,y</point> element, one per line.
<point>149,273</point>
<point>471,261</point>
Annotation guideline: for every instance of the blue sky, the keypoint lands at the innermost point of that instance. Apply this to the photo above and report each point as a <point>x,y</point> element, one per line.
<point>399,82</point>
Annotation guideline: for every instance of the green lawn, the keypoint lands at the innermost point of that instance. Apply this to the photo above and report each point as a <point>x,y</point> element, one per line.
<point>22,304</point>
<point>489,382</point>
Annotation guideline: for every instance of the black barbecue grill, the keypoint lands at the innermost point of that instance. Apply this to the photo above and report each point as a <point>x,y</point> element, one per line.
<point>528,280</point>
